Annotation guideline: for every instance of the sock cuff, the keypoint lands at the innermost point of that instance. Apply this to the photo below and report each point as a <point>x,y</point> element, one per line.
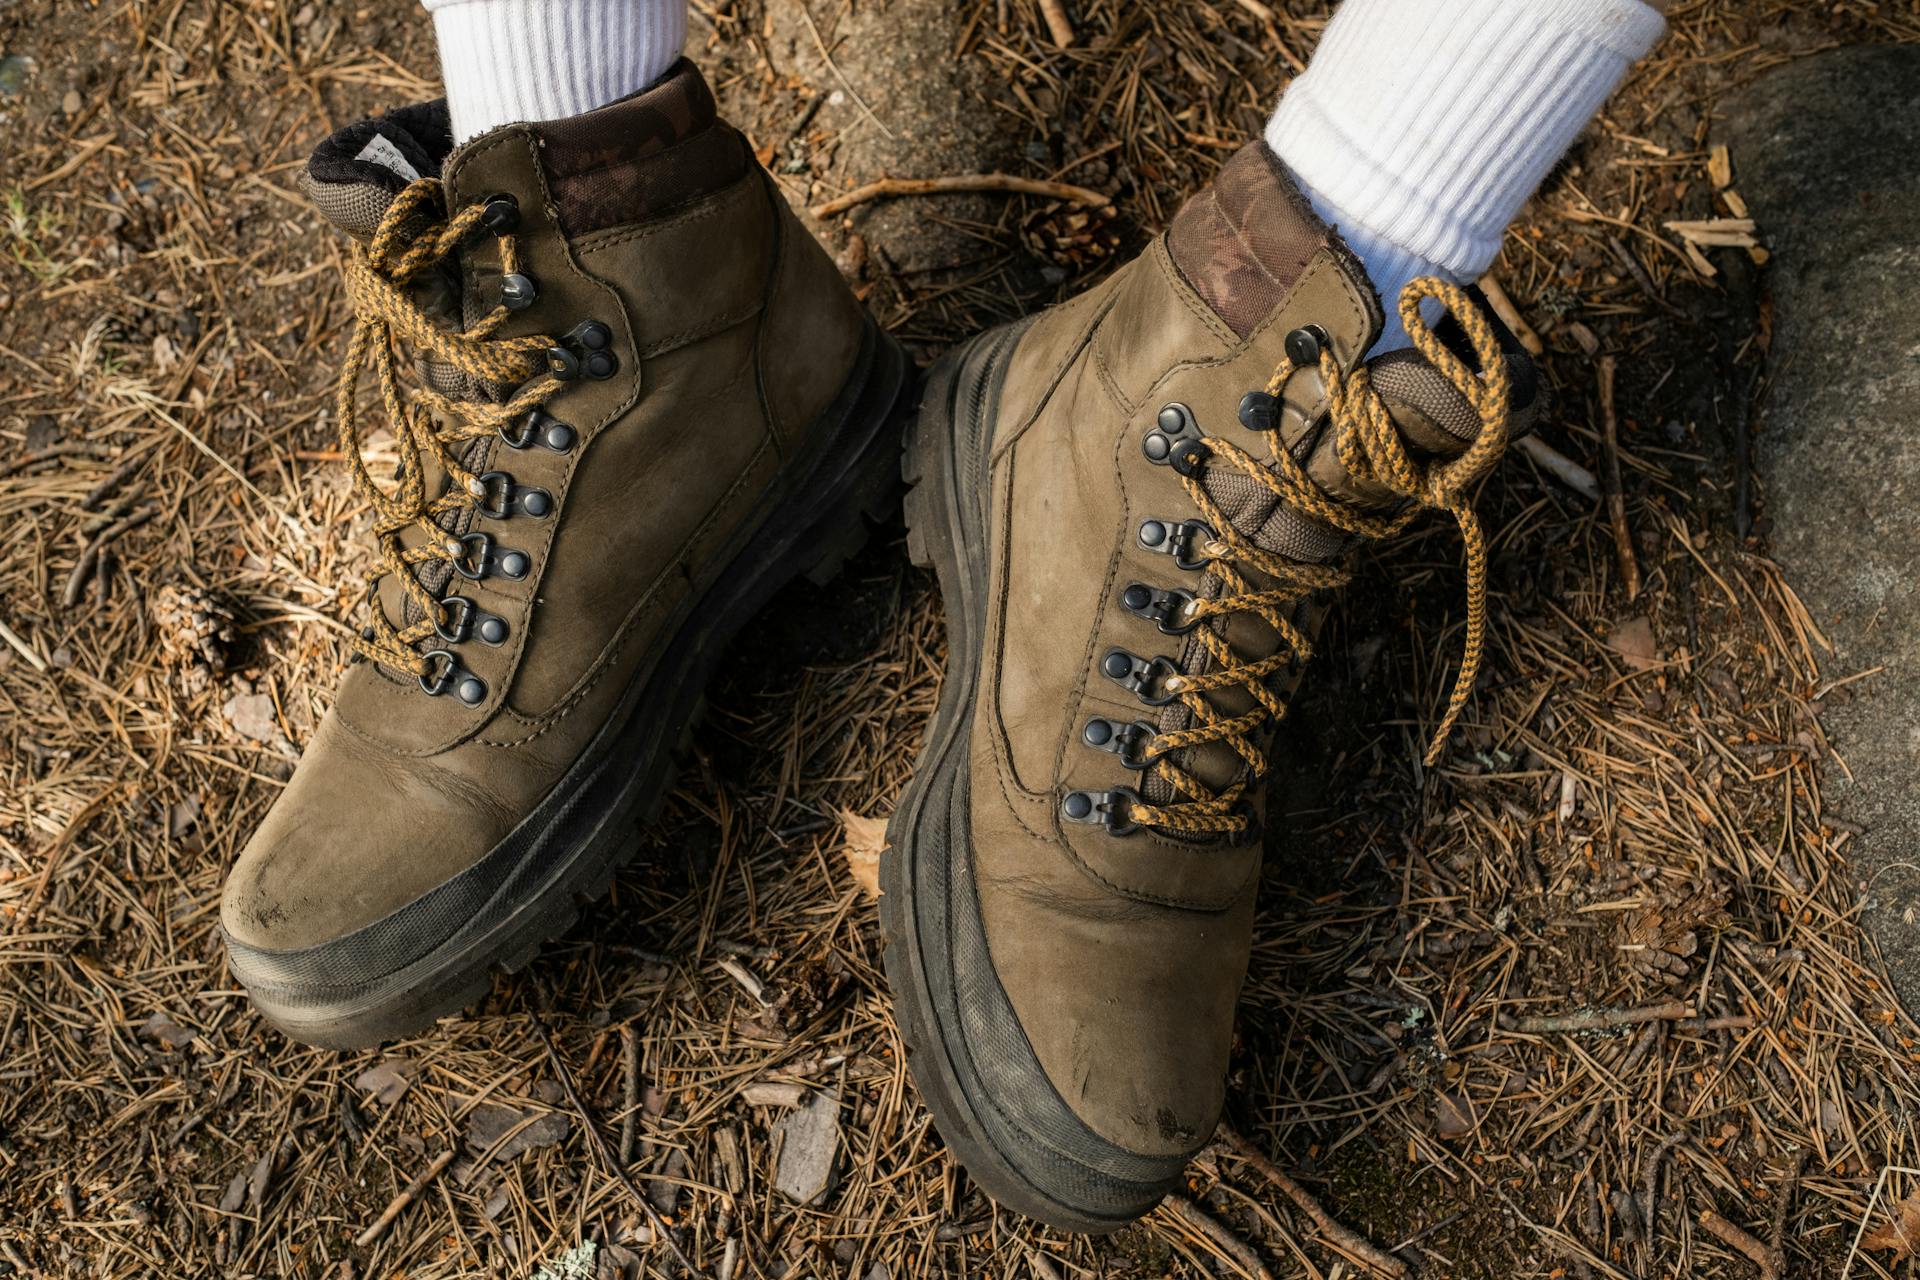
<point>1429,124</point>
<point>506,61</point>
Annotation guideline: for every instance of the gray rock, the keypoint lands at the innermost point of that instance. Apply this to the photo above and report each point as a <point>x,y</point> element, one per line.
<point>809,1139</point>
<point>1826,151</point>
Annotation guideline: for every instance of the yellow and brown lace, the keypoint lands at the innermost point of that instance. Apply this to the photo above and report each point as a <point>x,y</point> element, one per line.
<point>415,236</point>
<point>1371,449</point>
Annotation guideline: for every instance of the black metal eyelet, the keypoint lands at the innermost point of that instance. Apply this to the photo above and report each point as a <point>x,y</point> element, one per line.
<point>1167,607</point>
<point>463,620</point>
<point>590,335</point>
<point>444,673</point>
<point>455,624</point>
<point>1174,423</point>
<point>500,214</point>
<point>538,427</point>
<point>497,497</point>
<point>1189,456</point>
<point>1303,345</point>
<point>471,555</point>
<point>588,352</point>
<point>1123,738</point>
<point>1177,538</point>
<point>1102,809</point>
<point>1259,411</point>
<point>1136,675</point>
<point>474,556</point>
<point>517,291</point>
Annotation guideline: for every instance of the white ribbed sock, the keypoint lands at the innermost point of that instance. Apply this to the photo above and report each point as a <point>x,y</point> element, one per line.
<point>1420,127</point>
<point>510,60</point>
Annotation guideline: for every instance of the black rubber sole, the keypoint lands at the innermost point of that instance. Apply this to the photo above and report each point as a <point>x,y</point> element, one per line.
<point>567,851</point>
<point>1064,1178</point>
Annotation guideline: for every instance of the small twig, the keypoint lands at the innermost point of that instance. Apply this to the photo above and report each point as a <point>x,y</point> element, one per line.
<point>135,459</point>
<point>83,151</point>
<point>1649,1188</point>
<point>1341,1238</point>
<point>401,1201</point>
<point>1769,1261</point>
<point>887,187</point>
<point>1042,1266</point>
<point>1591,1019</point>
<point>1782,1204</point>
<point>1639,274</point>
<point>1616,499</point>
<point>1563,468</point>
<point>1725,1022</point>
<point>19,645</point>
<point>654,1220</point>
<point>58,852</point>
<point>1510,315</point>
<point>1238,1251</point>
<point>1058,22</point>
<point>630,1075</point>
<point>84,566</point>
<point>66,449</point>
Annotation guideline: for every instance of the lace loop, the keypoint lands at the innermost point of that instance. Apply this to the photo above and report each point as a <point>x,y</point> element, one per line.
<point>413,237</point>
<point>1371,449</point>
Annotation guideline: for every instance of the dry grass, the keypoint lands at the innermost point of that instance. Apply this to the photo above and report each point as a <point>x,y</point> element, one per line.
<point>1533,1013</point>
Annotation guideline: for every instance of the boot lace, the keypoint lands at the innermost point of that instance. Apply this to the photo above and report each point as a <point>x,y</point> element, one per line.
<point>415,236</point>
<point>1370,448</point>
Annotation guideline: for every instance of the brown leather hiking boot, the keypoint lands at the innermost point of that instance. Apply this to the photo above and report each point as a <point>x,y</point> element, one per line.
<point>1131,501</point>
<point>647,401</point>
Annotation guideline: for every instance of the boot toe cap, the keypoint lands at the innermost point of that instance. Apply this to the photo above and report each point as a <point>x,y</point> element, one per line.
<point>339,883</point>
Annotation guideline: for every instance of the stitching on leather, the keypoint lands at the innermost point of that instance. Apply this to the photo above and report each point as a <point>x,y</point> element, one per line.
<point>1188,298</point>
<point>620,638</point>
<point>1002,740</point>
<point>778,253</point>
<point>996,451</point>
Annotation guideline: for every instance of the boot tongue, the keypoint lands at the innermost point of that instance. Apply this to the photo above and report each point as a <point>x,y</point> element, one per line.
<point>1434,419</point>
<point>354,175</point>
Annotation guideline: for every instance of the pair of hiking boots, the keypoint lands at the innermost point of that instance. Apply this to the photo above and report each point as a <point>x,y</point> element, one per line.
<point>646,399</point>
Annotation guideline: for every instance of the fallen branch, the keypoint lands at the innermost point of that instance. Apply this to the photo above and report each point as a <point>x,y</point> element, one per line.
<point>1770,1262</point>
<point>68,449</point>
<point>1650,1186</point>
<point>84,566</point>
<point>1238,1251</point>
<point>1561,467</point>
<point>630,1077</point>
<point>401,1201</point>
<point>1510,315</point>
<point>19,645</point>
<point>1341,1238</point>
<point>888,187</point>
<point>1058,23</point>
<point>135,459</point>
<point>1592,1019</point>
<point>1616,500</point>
